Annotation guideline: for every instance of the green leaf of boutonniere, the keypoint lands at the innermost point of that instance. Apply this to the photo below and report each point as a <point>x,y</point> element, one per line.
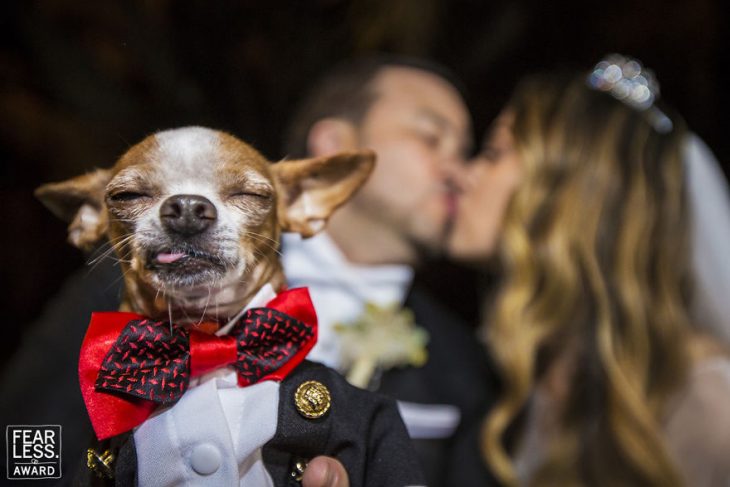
<point>381,338</point>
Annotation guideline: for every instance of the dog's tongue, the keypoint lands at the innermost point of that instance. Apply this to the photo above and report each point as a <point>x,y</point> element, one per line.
<point>164,258</point>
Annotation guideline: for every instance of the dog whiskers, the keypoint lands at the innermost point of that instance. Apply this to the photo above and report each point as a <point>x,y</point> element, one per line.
<point>169,314</point>
<point>115,246</point>
<point>266,241</point>
<point>262,236</point>
<point>262,259</point>
<point>205,308</point>
<point>169,305</point>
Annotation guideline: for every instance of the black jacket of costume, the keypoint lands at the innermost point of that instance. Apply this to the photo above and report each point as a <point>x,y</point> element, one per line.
<point>361,429</point>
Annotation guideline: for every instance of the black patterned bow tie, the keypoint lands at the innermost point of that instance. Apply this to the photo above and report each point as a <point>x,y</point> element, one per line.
<point>152,360</point>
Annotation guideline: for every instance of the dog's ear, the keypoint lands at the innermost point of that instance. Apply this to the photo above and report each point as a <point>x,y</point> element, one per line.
<point>311,189</point>
<point>80,201</point>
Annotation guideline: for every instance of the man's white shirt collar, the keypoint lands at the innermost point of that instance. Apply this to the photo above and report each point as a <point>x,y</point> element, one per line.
<point>339,288</point>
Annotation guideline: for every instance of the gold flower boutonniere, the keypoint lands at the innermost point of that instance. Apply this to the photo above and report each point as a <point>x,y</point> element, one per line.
<point>381,338</point>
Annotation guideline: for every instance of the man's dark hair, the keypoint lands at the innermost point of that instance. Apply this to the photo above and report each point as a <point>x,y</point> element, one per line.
<point>346,92</point>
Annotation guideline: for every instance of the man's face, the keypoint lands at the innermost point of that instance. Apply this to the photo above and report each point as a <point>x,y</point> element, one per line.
<point>419,127</point>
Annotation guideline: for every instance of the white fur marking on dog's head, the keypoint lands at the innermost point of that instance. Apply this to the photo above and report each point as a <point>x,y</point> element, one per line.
<point>183,154</point>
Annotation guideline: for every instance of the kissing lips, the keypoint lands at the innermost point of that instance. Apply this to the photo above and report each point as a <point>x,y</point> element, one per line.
<point>452,204</point>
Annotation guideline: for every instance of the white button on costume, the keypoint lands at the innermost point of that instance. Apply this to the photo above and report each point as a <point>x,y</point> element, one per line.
<point>206,459</point>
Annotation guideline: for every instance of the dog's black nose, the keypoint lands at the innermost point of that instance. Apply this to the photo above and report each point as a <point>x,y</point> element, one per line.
<point>187,214</point>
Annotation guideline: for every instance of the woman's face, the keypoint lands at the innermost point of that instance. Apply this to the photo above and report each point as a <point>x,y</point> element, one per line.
<point>490,181</point>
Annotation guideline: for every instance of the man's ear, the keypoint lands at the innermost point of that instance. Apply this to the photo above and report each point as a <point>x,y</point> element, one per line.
<point>311,189</point>
<point>80,201</point>
<point>330,136</point>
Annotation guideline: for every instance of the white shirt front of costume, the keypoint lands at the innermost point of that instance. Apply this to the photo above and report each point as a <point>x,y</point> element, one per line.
<point>339,289</point>
<point>214,434</point>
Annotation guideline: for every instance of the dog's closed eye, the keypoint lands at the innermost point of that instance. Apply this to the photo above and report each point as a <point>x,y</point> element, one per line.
<point>260,194</point>
<point>122,196</point>
<point>254,202</point>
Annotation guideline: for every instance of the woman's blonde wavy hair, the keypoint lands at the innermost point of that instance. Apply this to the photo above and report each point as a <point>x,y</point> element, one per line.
<point>595,254</point>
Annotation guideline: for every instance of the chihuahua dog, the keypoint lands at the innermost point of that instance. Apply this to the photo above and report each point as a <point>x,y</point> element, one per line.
<point>194,216</point>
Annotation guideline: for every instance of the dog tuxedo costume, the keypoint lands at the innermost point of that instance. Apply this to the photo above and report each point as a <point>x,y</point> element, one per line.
<point>194,217</point>
<point>179,407</point>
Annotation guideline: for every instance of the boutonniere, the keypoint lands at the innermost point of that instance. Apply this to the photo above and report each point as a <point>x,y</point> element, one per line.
<point>381,338</point>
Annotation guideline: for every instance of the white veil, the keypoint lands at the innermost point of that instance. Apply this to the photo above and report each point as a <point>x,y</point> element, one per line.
<point>709,211</point>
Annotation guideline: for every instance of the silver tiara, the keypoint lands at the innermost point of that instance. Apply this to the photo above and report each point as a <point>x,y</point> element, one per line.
<point>631,83</point>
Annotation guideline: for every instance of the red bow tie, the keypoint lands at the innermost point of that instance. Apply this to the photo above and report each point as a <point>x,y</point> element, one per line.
<point>130,364</point>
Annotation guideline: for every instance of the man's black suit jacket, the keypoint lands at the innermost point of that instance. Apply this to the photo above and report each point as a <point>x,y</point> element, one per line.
<point>457,373</point>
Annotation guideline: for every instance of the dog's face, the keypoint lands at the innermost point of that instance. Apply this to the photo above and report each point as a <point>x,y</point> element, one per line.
<point>195,215</point>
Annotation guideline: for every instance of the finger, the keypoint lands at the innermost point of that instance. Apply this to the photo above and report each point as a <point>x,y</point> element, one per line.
<point>325,472</point>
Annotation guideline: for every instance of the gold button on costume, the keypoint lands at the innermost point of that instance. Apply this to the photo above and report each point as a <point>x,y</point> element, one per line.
<point>100,464</point>
<point>312,399</point>
<point>298,471</point>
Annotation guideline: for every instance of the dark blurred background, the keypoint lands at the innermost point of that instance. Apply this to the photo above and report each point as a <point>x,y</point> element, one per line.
<point>82,80</point>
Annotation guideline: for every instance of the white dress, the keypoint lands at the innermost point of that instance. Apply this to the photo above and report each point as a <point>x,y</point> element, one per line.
<point>709,210</point>
<point>697,427</point>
